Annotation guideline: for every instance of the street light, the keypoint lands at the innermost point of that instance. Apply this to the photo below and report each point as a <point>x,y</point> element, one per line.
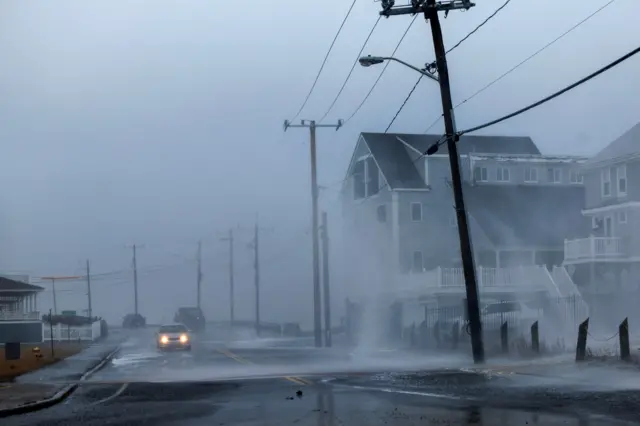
<point>367,61</point>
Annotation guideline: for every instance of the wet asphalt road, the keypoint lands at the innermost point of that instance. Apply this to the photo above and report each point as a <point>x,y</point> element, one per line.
<point>212,385</point>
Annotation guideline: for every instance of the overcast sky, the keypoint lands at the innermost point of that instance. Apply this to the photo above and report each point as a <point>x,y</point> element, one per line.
<point>160,123</point>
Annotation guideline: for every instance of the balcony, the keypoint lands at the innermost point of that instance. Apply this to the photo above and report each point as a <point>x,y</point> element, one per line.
<point>19,316</point>
<point>594,248</point>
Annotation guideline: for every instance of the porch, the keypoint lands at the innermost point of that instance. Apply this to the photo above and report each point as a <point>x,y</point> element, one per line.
<point>20,320</point>
<point>602,249</point>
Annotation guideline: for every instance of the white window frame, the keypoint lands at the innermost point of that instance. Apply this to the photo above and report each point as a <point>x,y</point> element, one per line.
<point>413,258</point>
<point>622,216</point>
<point>556,172</point>
<point>411,212</point>
<point>621,173</point>
<point>484,178</point>
<point>576,177</point>
<point>531,171</point>
<point>501,172</point>
<point>605,177</point>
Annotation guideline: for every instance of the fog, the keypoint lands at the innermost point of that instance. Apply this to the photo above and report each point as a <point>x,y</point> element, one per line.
<point>159,123</point>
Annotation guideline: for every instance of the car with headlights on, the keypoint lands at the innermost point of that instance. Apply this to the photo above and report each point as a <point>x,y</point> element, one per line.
<point>173,336</point>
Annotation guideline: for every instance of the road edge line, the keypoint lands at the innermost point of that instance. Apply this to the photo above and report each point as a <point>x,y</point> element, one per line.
<point>61,394</point>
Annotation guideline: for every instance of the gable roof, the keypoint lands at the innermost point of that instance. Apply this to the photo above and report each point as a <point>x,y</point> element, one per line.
<point>526,215</point>
<point>7,284</point>
<point>399,169</point>
<point>626,145</point>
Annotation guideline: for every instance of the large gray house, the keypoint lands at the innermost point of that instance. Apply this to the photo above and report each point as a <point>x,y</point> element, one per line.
<point>607,256</point>
<point>399,214</point>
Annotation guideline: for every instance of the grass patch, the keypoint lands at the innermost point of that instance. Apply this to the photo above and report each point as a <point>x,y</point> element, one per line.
<point>30,361</point>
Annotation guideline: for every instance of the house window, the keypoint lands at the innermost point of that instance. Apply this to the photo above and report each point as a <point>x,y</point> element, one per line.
<point>622,216</point>
<point>554,175</point>
<point>503,174</point>
<point>576,177</point>
<point>359,187</point>
<point>531,175</point>
<point>382,213</point>
<point>417,264</point>
<point>622,180</point>
<point>416,212</point>
<point>480,174</point>
<point>605,178</point>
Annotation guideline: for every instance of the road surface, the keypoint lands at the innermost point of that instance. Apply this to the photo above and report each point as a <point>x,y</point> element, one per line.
<point>218,384</point>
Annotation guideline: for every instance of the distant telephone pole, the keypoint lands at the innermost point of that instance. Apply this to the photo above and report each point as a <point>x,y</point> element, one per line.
<point>135,248</point>
<point>199,278</point>
<point>325,281</point>
<point>256,266</point>
<point>90,310</point>
<point>231,289</point>
<point>53,287</point>
<point>430,9</point>
<point>317,311</point>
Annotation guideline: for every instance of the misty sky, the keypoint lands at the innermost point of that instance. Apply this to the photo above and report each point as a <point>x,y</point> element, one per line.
<point>160,123</point>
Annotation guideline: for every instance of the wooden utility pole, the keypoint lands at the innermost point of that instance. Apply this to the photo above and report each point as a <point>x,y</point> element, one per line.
<point>430,9</point>
<point>135,248</point>
<point>317,310</point>
<point>89,307</point>
<point>231,283</point>
<point>256,266</point>
<point>325,281</point>
<point>199,277</point>
<point>53,287</point>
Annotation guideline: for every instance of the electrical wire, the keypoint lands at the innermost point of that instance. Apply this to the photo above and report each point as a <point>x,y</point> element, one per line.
<point>382,72</point>
<point>536,52</point>
<point>550,97</point>
<point>351,70</point>
<point>527,59</point>
<point>434,65</point>
<point>404,103</point>
<point>324,62</point>
<point>554,95</point>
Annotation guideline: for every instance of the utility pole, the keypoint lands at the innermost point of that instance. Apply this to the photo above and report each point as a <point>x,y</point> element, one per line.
<point>231,289</point>
<point>256,266</point>
<point>90,310</point>
<point>55,300</point>
<point>135,248</point>
<point>317,320</point>
<point>325,281</point>
<point>199,278</point>
<point>53,280</point>
<point>430,10</point>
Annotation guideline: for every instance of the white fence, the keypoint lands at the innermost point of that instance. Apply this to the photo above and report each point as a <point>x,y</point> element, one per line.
<point>593,248</point>
<point>62,332</point>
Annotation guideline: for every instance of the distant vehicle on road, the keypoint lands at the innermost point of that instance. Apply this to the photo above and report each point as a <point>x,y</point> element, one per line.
<point>134,321</point>
<point>173,336</point>
<point>192,317</point>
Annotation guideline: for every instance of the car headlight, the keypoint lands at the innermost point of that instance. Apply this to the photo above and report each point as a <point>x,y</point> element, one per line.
<point>164,339</point>
<point>184,338</point>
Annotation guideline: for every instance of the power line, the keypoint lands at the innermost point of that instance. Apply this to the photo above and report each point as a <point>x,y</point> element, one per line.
<point>351,70</point>
<point>554,95</point>
<point>313,86</point>
<point>479,26</point>
<point>433,64</point>
<point>381,72</point>
<point>527,59</point>
<point>535,53</point>
<point>404,103</point>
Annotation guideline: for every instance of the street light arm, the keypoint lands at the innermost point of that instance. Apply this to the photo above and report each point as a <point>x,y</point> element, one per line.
<point>406,64</point>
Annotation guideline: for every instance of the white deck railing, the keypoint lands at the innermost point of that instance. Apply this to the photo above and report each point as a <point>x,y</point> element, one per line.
<point>593,248</point>
<point>19,316</point>
<point>62,332</point>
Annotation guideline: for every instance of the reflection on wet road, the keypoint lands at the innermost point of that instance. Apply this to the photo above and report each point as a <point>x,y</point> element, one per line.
<point>210,386</point>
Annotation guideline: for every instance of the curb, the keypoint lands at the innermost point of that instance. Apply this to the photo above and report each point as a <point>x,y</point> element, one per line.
<point>59,396</point>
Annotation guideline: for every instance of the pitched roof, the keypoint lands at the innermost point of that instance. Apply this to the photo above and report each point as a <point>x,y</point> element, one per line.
<point>7,284</point>
<point>625,145</point>
<point>398,166</point>
<point>526,215</point>
<point>394,161</point>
